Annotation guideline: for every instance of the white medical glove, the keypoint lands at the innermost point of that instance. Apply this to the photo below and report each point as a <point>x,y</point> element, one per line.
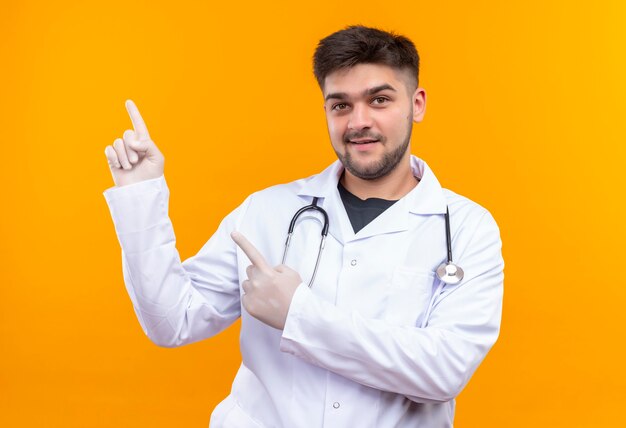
<point>134,157</point>
<point>268,291</point>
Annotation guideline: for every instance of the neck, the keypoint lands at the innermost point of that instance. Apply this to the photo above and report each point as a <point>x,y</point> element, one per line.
<point>392,186</point>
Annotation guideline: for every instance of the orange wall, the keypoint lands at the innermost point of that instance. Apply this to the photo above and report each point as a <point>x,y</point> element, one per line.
<point>525,107</point>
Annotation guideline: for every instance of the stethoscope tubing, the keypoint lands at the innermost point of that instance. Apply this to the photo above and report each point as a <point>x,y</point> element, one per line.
<point>325,227</point>
<point>448,272</point>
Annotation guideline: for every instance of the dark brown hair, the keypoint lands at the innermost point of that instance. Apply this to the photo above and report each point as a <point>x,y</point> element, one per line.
<point>364,45</point>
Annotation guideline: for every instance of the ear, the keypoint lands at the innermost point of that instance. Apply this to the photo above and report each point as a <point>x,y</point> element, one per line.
<point>419,104</point>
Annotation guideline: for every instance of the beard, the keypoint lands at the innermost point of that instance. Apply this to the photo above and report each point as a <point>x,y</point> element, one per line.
<point>379,168</point>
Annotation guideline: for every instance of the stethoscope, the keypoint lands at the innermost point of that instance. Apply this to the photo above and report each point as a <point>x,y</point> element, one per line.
<point>448,272</point>
<point>314,207</point>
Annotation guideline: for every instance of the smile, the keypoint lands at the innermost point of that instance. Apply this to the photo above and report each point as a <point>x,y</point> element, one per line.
<point>363,141</point>
<point>364,145</point>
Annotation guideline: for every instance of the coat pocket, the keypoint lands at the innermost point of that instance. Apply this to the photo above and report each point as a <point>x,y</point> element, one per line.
<point>409,295</point>
<point>229,414</point>
<point>237,418</point>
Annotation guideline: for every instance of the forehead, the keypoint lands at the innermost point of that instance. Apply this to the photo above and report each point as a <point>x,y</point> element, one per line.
<point>355,80</point>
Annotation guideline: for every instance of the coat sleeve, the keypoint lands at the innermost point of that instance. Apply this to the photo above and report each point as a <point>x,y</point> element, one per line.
<point>430,364</point>
<point>176,303</point>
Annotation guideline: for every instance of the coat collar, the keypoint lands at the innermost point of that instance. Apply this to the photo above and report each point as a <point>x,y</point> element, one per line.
<point>426,198</point>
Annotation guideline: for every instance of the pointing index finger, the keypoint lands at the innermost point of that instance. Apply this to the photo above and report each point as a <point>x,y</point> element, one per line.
<point>250,250</point>
<point>138,124</point>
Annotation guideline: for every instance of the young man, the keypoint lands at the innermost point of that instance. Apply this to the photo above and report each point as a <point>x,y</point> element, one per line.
<point>377,339</point>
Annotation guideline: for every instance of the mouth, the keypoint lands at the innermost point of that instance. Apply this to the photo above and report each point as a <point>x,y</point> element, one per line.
<point>363,145</point>
<point>363,141</point>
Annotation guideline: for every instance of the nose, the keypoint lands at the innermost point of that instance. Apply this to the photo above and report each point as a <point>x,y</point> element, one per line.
<point>360,117</point>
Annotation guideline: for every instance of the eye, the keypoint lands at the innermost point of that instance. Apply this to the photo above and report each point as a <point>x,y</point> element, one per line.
<point>339,106</point>
<point>380,100</point>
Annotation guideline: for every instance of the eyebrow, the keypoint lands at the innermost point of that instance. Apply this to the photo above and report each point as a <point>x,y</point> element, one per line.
<point>370,91</point>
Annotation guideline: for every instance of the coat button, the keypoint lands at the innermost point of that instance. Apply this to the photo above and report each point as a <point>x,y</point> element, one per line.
<point>335,405</point>
<point>353,262</point>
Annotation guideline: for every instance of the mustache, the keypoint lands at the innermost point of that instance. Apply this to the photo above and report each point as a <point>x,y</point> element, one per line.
<point>362,135</point>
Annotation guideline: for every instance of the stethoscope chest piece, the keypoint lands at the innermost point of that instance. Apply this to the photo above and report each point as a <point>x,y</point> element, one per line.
<point>450,273</point>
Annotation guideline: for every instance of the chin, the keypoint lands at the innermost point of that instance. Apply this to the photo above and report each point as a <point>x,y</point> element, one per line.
<point>369,172</point>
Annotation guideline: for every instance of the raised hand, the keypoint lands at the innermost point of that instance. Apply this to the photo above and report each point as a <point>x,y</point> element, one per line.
<point>134,157</point>
<point>268,290</point>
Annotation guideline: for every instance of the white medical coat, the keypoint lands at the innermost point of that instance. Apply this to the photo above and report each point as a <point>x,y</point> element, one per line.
<point>353,351</point>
